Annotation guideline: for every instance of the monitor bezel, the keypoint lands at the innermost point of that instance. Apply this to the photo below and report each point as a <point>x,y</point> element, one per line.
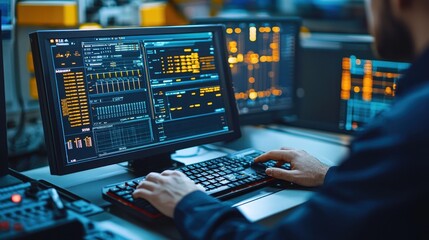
<point>54,137</point>
<point>276,115</point>
<point>4,164</point>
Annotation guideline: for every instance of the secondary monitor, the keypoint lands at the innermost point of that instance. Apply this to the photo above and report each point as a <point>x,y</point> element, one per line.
<point>3,134</point>
<point>136,94</point>
<point>262,55</point>
<point>343,84</point>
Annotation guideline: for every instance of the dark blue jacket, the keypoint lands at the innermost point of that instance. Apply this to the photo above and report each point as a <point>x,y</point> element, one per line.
<point>381,191</point>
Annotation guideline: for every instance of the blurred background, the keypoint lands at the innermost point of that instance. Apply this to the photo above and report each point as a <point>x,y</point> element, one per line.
<point>21,17</point>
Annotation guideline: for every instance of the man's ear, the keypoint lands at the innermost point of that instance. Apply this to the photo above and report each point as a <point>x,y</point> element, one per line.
<point>399,6</point>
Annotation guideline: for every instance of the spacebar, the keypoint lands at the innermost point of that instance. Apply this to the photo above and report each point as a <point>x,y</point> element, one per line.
<point>217,190</point>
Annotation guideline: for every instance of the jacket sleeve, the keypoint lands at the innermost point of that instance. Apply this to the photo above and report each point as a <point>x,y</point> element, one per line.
<point>199,216</point>
<point>329,174</point>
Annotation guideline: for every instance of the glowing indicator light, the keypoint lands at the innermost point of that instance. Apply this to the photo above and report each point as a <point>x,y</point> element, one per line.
<point>16,198</point>
<point>252,34</point>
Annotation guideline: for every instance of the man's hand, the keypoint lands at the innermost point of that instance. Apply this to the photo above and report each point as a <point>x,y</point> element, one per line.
<point>306,170</point>
<point>164,191</point>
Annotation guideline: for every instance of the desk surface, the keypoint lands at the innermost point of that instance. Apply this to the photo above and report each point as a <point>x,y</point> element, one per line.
<point>272,137</point>
<point>88,184</point>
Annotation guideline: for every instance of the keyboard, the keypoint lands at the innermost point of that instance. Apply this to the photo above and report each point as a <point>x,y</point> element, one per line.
<point>223,177</point>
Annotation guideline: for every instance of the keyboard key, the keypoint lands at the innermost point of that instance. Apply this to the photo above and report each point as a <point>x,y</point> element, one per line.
<point>114,189</point>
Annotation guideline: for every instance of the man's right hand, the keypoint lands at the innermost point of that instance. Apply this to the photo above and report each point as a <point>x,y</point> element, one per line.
<point>305,170</point>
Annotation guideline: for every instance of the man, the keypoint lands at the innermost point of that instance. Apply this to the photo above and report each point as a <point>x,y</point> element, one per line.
<point>380,191</point>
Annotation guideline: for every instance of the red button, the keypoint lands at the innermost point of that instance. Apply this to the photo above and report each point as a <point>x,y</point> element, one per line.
<point>18,227</point>
<point>16,198</point>
<point>4,226</point>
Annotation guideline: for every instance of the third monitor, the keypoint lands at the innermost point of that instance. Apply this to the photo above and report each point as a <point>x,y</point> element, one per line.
<point>262,55</point>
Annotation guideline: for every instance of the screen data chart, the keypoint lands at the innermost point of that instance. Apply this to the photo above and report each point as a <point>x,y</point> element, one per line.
<point>262,61</point>
<point>367,88</point>
<point>121,94</point>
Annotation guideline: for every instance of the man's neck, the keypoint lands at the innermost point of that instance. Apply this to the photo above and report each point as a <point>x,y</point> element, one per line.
<point>421,46</point>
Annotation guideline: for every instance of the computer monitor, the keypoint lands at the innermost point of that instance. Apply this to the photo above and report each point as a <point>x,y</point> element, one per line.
<point>262,55</point>
<point>343,84</point>
<point>3,132</point>
<point>137,94</point>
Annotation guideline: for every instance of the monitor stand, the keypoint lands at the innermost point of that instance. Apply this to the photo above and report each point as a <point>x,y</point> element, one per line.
<point>156,163</point>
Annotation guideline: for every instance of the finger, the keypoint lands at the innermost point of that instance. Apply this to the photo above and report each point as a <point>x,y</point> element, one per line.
<point>142,193</point>
<point>167,172</point>
<point>279,164</point>
<point>287,175</point>
<point>179,173</point>
<point>147,185</point>
<point>284,165</point>
<point>172,173</point>
<point>277,155</point>
<point>154,177</point>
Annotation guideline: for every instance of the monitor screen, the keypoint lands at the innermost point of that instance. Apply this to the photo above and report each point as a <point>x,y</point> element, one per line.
<point>3,134</point>
<point>343,84</point>
<point>262,55</point>
<point>367,87</point>
<point>115,95</point>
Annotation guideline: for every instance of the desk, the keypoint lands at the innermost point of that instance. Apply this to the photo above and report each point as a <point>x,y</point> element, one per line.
<point>88,184</point>
<point>272,137</point>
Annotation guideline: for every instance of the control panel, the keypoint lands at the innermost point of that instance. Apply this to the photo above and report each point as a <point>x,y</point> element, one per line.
<point>28,211</point>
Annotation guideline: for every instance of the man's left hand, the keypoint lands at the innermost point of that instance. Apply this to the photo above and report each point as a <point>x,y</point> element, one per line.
<point>164,191</point>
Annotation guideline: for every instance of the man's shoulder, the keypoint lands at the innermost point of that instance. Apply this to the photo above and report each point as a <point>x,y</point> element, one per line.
<point>418,95</point>
<point>412,107</point>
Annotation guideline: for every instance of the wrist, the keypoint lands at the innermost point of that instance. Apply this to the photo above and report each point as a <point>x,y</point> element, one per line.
<point>322,175</point>
<point>328,175</point>
<point>190,201</point>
